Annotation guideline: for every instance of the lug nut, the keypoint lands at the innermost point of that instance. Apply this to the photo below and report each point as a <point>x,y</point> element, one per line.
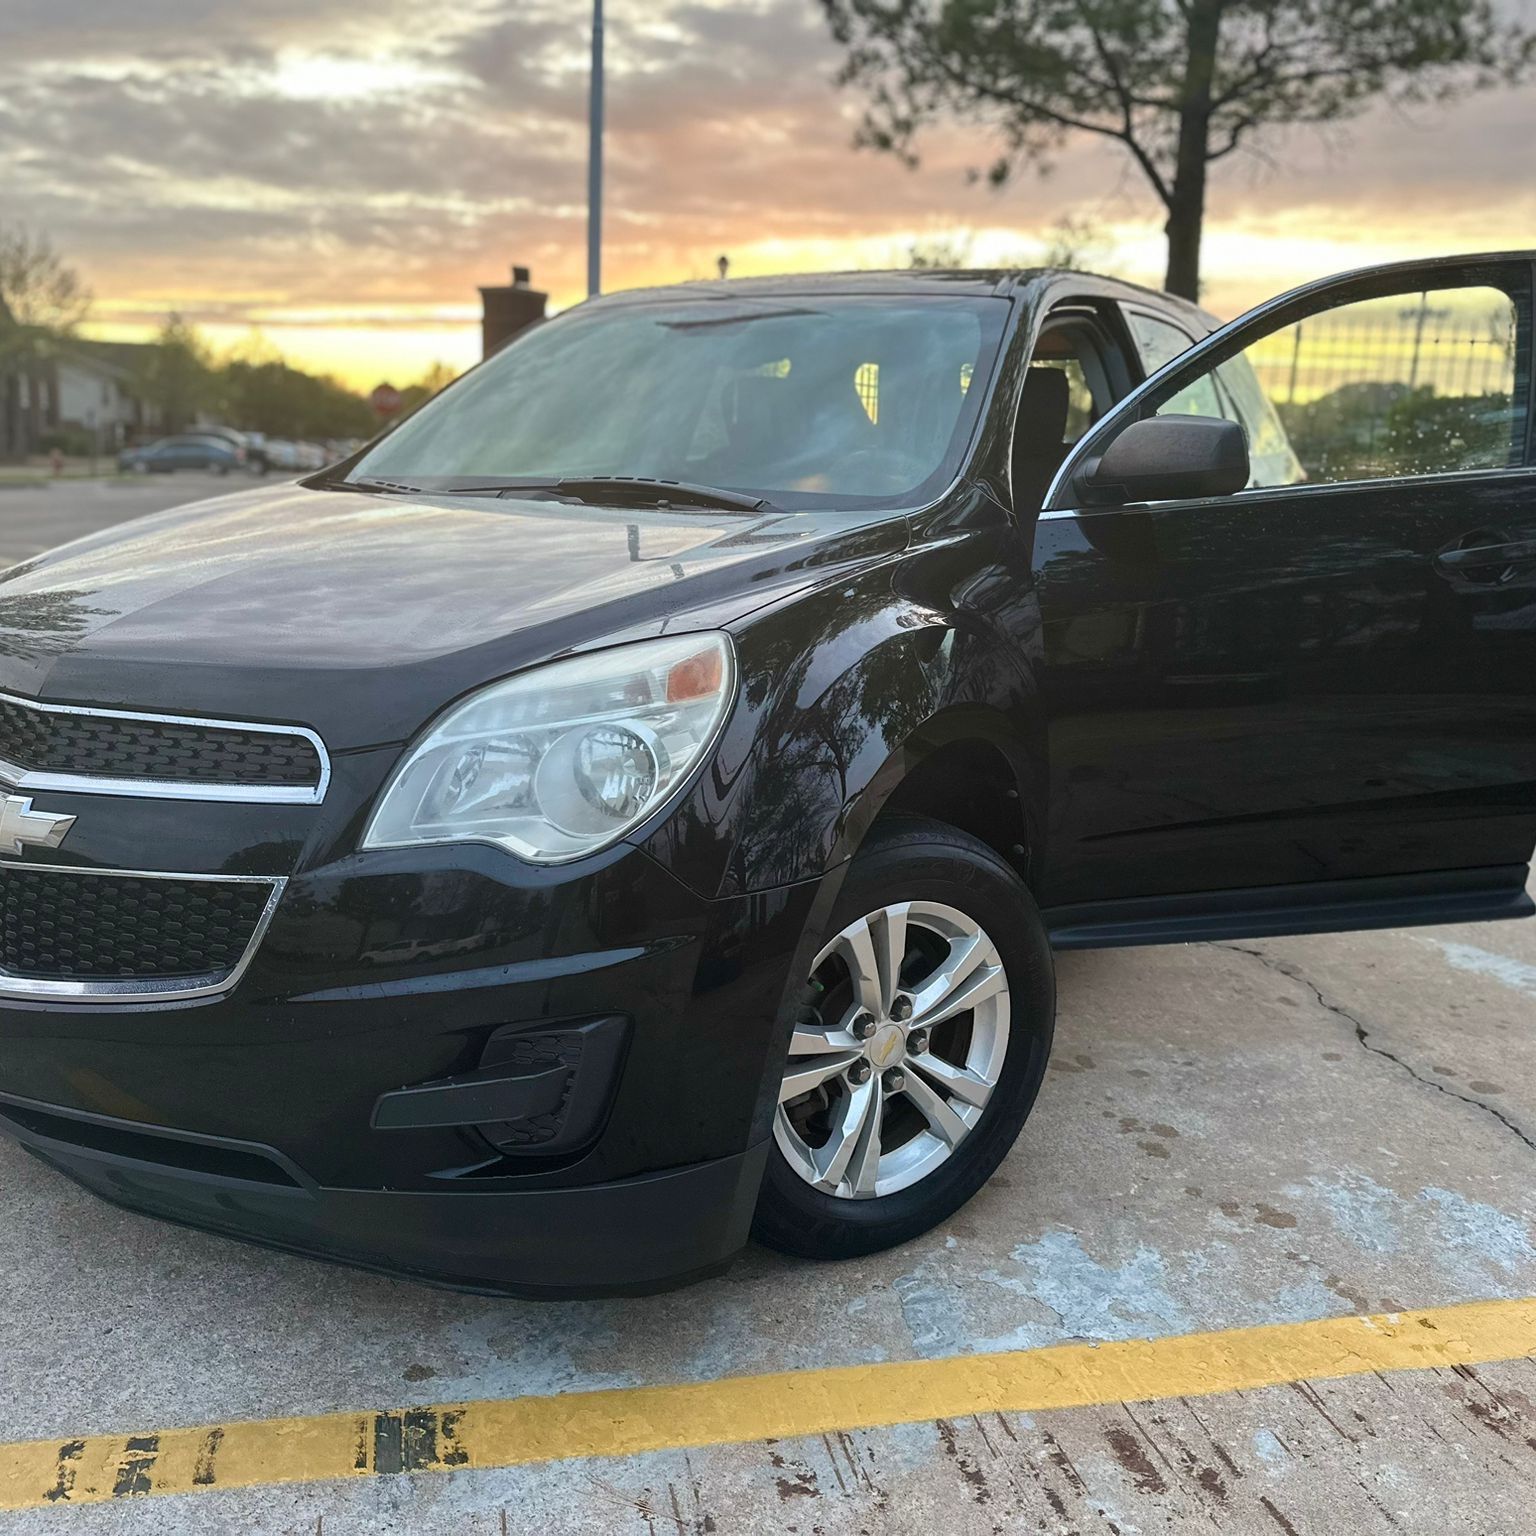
<point>917,1042</point>
<point>901,1009</point>
<point>864,1026</point>
<point>895,1080</point>
<point>860,1072</point>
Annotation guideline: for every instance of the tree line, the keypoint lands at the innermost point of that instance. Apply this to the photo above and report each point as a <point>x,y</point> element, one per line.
<point>178,378</point>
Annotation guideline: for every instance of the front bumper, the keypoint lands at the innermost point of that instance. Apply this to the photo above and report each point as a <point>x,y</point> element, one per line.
<point>627,1237</point>
<point>258,1113</point>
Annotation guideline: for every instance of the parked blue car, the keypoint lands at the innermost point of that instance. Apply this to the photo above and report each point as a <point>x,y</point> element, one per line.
<point>187,451</point>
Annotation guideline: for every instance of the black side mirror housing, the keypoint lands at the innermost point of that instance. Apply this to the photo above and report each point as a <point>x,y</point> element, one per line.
<point>1170,458</point>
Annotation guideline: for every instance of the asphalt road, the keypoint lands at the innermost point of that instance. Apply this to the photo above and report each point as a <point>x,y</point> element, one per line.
<point>35,518</point>
<point>1230,1136</point>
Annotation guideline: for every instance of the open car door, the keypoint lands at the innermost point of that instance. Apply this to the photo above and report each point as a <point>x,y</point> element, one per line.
<point>1288,590</point>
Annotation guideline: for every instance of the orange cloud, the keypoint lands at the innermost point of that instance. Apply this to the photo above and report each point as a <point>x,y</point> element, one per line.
<point>341,174</point>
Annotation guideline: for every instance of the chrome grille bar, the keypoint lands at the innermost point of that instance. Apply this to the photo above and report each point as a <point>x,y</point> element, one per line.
<point>23,775</point>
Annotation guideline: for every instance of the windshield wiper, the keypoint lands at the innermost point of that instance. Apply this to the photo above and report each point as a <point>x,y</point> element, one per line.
<point>625,489</point>
<point>662,492</point>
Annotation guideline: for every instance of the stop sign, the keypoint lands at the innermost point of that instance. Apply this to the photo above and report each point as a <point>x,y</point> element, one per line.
<point>385,400</point>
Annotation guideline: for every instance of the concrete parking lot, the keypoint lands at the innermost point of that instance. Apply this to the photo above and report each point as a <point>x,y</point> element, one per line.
<point>37,517</point>
<point>1231,1137</point>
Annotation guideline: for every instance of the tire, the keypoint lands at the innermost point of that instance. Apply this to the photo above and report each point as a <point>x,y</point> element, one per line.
<point>937,880</point>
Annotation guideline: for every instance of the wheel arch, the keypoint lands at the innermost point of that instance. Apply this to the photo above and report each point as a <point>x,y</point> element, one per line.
<point>965,766</point>
<point>970,782</point>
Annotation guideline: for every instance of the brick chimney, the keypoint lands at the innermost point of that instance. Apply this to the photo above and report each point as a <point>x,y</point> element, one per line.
<point>509,310</point>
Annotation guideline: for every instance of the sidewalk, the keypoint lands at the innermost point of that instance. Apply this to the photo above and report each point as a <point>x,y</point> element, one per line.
<point>37,471</point>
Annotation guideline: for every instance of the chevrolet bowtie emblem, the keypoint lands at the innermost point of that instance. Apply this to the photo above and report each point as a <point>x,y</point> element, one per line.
<point>21,827</point>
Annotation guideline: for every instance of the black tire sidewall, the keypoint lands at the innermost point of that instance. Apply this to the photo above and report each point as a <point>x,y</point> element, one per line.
<point>926,861</point>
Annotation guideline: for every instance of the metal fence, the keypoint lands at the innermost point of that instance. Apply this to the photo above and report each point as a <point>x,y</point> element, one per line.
<point>1417,346</point>
<point>1394,387</point>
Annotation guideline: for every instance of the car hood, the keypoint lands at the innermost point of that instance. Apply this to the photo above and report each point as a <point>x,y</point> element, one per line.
<point>361,615</point>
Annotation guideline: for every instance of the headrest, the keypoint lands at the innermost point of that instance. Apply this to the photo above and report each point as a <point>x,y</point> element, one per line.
<point>758,395</point>
<point>1043,408</point>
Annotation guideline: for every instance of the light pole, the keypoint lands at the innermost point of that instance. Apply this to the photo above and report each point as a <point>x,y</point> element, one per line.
<point>595,158</point>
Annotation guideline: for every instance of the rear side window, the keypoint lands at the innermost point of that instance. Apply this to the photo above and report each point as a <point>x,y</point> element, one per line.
<point>1156,340</point>
<point>1270,454</point>
<point>1232,392</point>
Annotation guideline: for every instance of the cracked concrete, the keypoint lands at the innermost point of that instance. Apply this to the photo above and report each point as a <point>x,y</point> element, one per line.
<point>1276,1130</point>
<point>1363,1036</point>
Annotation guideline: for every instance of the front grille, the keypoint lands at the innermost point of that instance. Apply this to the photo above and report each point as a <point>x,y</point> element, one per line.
<point>54,739</point>
<point>65,925</point>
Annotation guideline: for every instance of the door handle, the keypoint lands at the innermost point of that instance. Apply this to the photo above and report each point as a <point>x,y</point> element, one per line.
<point>1486,555</point>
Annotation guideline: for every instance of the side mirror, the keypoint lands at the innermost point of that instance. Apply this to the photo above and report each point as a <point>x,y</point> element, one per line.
<point>1168,458</point>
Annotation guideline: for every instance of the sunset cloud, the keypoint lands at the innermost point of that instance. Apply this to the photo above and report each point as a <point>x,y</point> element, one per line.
<point>342,173</point>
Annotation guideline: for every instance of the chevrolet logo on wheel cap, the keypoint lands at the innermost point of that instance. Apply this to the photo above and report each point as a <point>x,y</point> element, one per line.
<point>21,827</point>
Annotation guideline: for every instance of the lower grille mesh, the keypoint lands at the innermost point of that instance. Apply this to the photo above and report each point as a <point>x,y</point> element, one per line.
<point>60,925</point>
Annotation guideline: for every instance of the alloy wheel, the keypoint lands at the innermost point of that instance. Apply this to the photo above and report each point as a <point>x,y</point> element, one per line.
<point>892,1064</point>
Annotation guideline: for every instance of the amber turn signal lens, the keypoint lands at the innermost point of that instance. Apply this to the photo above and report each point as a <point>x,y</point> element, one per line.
<point>697,677</point>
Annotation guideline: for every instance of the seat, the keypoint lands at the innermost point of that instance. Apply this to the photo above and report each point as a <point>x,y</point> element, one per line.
<point>1038,446</point>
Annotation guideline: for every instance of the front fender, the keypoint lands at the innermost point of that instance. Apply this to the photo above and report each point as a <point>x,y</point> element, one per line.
<point>845,692</point>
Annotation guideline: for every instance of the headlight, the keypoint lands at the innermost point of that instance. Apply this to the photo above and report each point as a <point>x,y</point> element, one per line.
<point>565,759</point>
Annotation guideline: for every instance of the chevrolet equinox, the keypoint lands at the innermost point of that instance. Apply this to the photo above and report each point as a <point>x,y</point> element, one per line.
<point>632,804</point>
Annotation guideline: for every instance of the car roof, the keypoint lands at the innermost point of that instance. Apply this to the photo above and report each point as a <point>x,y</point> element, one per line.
<point>975,282</point>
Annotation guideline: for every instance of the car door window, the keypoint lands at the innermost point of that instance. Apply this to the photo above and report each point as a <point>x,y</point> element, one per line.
<point>1398,372</point>
<point>1383,388</point>
<point>1419,384</point>
<point>1271,458</point>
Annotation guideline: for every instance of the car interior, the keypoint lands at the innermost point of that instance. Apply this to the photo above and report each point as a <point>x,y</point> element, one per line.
<point>1077,372</point>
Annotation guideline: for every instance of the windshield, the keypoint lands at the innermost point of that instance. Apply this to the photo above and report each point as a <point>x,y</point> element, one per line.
<point>806,403</point>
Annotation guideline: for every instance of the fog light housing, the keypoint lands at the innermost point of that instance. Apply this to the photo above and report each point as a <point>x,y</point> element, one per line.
<point>543,1091</point>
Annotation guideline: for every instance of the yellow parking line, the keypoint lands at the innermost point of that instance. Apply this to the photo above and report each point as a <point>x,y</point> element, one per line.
<point>622,1422</point>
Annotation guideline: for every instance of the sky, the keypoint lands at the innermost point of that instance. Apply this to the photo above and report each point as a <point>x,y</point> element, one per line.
<point>334,178</point>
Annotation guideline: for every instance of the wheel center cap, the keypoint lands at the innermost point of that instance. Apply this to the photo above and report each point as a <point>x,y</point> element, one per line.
<point>887,1045</point>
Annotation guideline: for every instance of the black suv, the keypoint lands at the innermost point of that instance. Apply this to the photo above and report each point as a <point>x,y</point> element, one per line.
<point>633,803</point>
